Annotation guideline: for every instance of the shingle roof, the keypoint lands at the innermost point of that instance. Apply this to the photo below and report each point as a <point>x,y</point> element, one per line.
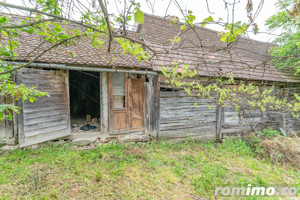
<point>247,59</point>
<point>85,53</point>
<point>202,48</point>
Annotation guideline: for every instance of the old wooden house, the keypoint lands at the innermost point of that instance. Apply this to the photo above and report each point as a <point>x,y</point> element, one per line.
<point>127,96</point>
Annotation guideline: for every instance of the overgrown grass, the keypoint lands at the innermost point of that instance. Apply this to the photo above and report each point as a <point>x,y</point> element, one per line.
<point>158,170</point>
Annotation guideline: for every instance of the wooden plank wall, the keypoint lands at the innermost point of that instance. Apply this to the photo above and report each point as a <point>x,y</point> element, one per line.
<point>179,118</point>
<point>293,124</point>
<point>239,124</point>
<point>48,118</point>
<point>233,125</point>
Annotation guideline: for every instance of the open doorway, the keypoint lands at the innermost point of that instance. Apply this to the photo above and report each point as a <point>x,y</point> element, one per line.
<point>84,100</point>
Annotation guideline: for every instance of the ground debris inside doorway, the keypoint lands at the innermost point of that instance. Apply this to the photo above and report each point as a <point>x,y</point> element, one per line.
<point>86,126</point>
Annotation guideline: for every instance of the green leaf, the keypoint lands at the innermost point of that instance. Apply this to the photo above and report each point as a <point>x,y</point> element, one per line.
<point>210,19</point>
<point>139,16</point>
<point>3,20</point>
<point>29,30</point>
<point>72,54</point>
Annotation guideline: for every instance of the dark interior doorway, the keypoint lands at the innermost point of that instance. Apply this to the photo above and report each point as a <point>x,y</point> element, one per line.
<point>84,98</point>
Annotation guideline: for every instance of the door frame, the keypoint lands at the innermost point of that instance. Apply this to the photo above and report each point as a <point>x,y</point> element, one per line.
<point>117,110</point>
<point>130,117</point>
<point>125,110</point>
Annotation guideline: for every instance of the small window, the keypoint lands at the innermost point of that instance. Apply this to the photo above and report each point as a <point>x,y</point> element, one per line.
<point>118,90</point>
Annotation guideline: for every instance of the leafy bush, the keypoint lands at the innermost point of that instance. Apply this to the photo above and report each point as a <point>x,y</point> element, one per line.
<point>253,143</point>
<point>268,133</point>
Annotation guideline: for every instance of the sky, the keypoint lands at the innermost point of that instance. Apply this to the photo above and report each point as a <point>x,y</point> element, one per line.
<point>217,7</point>
<point>199,8</point>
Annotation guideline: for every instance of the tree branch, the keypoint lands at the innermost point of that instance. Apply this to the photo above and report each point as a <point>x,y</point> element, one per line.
<point>26,25</point>
<point>47,14</point>
<point>103,8</point>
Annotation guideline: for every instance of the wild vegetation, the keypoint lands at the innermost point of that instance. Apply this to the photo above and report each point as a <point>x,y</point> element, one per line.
<point>156,170</point>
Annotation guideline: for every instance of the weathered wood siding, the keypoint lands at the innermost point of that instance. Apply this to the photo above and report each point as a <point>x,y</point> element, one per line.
<point>239,124</point>
<point>294,124</point>
<point>179,118</point>
<point>6,127</point>
<point>152,106</point>
<point>48,118</point>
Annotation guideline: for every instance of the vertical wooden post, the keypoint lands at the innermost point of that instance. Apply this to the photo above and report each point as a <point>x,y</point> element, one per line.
<point>156,107</point>
<point>152,106</point>
<point>149,105</point>
<point>21,136</point>
<point>286,117</point>
<point>20,122</point>
<point>67,83</point>
<point>104,101</point>
<point>15,124</point>
<point>220,121</point>
<point>7,126</point>
<point>284,122</point>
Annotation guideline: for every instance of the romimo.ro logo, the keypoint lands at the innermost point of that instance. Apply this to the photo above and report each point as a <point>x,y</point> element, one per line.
<point>256,191</point>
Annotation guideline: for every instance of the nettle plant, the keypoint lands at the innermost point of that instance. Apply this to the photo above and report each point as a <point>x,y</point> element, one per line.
<point>241,95</point>
<point>48,19</point>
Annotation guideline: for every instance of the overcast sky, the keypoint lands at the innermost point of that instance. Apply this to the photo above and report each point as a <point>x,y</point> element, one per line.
<point>199,8</point>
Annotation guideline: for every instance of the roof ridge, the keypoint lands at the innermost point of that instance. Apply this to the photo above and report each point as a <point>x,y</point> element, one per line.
<point>208,29</point>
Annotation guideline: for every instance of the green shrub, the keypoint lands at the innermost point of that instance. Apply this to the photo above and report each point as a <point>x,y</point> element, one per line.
<point>253,143</point>
<point>268,133</point>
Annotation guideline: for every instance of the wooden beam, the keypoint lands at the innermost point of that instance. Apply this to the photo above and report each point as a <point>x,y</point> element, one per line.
<point>152,106</point>
<point>220,121</point>
<point>156,109</point>
<point>20,121</point>
<point>148,105</point>
<point>67,81</point>
<point>104,101</point>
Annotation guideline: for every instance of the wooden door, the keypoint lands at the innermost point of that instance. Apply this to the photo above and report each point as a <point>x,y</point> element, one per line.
<point>118,102</point>
<point>48,118</point>
<point>126,102</point>
<point>136,103</point>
